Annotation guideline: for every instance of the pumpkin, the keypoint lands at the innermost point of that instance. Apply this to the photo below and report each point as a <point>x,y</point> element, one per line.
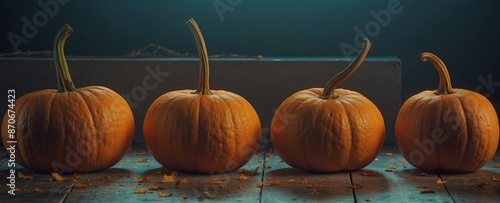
<point>69,129</point>
<point>448,129</point>
<point>329,129</point>
<point>203,130</point>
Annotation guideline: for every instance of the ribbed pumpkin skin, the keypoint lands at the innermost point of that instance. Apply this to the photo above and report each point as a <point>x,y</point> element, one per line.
<point>200,133</point>
<point>327,135</point>
<point>86,130</point>
<point>455,132</point>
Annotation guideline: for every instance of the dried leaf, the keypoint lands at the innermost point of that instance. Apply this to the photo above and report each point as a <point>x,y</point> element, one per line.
<point>143,160</point>
<point>22,176</point>
<point>290,180</point>
<point>276,182</point>
<point>82,185</point>
<point>243,177</point>
<point>164,194</point>
<point>266,167</point>
<point>393,167</point>
<point>106,178</point>
<point>184,199</point>
<point>440,181</point>
<point>140,191</point>
<point>318,186</point>
<point>169,178</point>
<point>38,190</point>
<point>261,184</point>
<point>269,178</point>
<point>76,176</point>
<point>424,174</point>
<point>250,173</point>
<point>497,165</point>
<point>369,173</point>
<point>180,182</point>
<point>389,154</point>
<point>146,179</point>
<point>303,180</point>
<point>216,181</point>
<point>56,177</point>
<point>496,179</point>
<point>355,186</point>
<point>427,191</point>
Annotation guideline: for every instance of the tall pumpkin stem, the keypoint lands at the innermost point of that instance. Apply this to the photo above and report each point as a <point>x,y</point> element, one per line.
<point>65,83</point>
<point>329,90</point>
<point>203,78</point>
<point>444,76</point>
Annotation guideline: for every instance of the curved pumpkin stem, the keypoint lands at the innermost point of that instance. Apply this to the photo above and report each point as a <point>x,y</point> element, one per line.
<point>203,78</point>
<point>329,90</point>
<point>65,83</point>
<point>444,76</point>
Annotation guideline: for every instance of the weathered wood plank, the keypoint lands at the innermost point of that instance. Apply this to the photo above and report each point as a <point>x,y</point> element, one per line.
<point>120,182</point>
<point>397,181</point>
<point>302,186</point>
<point>478,186</point>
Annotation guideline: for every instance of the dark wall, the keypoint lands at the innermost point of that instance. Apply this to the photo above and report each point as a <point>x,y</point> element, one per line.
<point>463,33</point>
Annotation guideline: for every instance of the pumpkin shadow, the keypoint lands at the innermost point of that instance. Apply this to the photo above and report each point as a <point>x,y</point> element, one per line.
<point>221,186</point>
<point>302,185</point>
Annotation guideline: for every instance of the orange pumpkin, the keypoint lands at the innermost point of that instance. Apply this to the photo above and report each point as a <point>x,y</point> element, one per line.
<point>329,129</point>
<point>69,129</point>
<point>448,129</point>
<point>202,130</point>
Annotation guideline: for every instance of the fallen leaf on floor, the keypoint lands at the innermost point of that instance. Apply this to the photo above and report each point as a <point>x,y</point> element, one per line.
<point>497,165</point>
<point>169,178</point>
<point>393,167</point>
<point>496,179</point>
<point>269,178</point>
<point>369,173</point>
<point>140,191</point>
<point>266,167</point>
<point>76,176</point>
<point>389,154</point>
<point>38,190</point>
<point>82,185</point>
<point>106,178</point>
<point>250,173</point>
<point>184,199</point>
<point>261,184</point>
<point>424,174</point>
<point>318,186</point>
<point>290,180</point>
<point>180,182</point>
<point>276,182</point>
<point>24,177</point>
<point>55,176</point>
<point>303,180</point>
<point>440,181</point>
<point>146,179</point>
<point>216,181</point>
<point>355,186</point>
<point>427,191</point>
<point>207,195</point>
<point>164,194</point>
<point>243,177</point>
<point>143,160</point>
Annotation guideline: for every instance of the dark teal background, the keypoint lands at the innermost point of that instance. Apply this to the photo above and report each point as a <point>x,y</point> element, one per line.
<point>464,33</point>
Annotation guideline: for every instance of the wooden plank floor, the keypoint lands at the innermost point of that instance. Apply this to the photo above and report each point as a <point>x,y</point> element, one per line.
<point>266,178</point>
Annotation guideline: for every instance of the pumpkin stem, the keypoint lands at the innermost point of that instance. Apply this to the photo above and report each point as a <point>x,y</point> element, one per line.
<point>203,78</point>
<point>329,90</point>
<point>444,76</point>
<point>65,83</point>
